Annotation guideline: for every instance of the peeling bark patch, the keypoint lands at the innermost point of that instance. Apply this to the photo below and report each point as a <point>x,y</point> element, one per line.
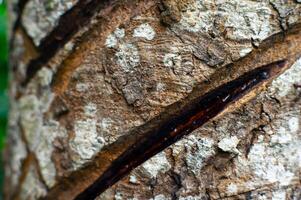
<point>198,151</point>
<point>277,161</point>
<point>284,85</point>
<point>289,12</point>
<point>127,57</point>
<point>112,39</point>
<point>31,119</point>
<point>244,20</point>
<point>156,164</point>
<point>279,195</point>
<point>49,132</point>
<point>17,151</point>
<point>229,144</point>
<point>133,92</point>
<point>133,179</point>
<point>32,188</point>
<point>87,140</point>
<point>44,77</point>
<point>172,60</point>
<point>232,188</point>
<point>144,31</point>
<point>40,133</point>
<point>244,52</point>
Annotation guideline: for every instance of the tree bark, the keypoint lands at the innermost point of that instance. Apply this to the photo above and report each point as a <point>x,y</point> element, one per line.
<point>90,79</point>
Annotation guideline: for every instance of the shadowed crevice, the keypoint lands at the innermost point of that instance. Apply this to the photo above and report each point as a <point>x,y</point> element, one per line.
<point>18,9</point>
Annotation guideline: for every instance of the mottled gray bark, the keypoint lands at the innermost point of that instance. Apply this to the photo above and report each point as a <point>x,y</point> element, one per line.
<point>81,83</point>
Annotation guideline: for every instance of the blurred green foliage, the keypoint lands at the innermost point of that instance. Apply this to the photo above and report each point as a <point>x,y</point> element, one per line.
<point>3,74</point>
<point>3,85</point>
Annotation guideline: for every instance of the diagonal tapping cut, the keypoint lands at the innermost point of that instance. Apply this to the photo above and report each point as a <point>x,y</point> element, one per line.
<point>69,24</point>
<point>189,118</point>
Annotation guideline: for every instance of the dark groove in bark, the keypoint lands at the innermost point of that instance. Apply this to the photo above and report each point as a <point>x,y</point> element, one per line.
<point>19,9</point>
<point>200,111</point>
<point>69,24</point>
<point>297,85</point>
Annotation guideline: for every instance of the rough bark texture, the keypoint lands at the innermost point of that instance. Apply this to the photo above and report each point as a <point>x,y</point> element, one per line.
<point>86,75</point>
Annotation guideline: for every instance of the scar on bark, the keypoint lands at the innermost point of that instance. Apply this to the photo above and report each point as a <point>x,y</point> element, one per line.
<point>200,111</point>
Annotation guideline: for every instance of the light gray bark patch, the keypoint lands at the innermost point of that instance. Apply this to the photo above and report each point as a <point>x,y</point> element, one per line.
<point>32,188</point>
<point>39,132</point>
<point>17,153</point>
<point>19,58</point>
<point>155,165</point>
<point>50,131</point>
<point>284,85</point>
<point>229,144</point>
<point>197,152</point>
<point>87,140</point>
<point>144,31</point>
<point>242,20</point>
<point>40,17</point>
<point>289,12</point>
<point>127,57</point>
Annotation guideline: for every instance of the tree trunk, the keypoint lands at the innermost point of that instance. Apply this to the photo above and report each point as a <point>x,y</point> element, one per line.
<point>92,80</point>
